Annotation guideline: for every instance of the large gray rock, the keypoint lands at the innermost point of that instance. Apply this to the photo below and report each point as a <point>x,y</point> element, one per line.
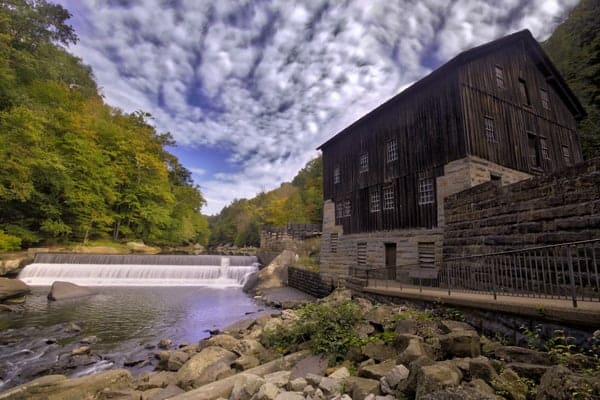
<point>166,393</point>
<point>177,359</point>
<point>268,391</point>
<point>224,341</point>
<point>481,367</point>
<point>560,383</point>
<point>437,376</point>
<point>414,350</point>
<point>520,354</point>
<point>57,387</point>
<point>377,371</point>
<point>530,371</point>
<point>67,290</point>
<point>508,382</point>
<point>152,380</point>
<point>396,375</point>
<point>205,367</point>
<point>245,386</point>
<point>360,388</point>
<point>275,274</point>
<point>309,365</point>
<point>11,288</point>
<point>380,316</point>
<point>379,351</point>
<point>251,282</point>
<point>460,343</point>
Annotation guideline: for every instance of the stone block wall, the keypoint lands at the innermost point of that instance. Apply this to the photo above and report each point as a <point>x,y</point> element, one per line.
<point>556,208</point>
<point>308,282</point>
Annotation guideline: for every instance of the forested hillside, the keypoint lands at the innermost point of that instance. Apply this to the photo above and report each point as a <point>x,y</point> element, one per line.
<point>300,201</point>
<point>574,47</point>
<point>71,167</point>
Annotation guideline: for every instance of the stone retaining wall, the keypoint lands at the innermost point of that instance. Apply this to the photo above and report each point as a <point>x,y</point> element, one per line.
<point>308,282</point>
<point>557,208</point>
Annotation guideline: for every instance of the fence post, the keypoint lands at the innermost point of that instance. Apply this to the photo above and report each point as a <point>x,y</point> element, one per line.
<point>448,277</point>
<point>572,277</point>
<point>493,277</point>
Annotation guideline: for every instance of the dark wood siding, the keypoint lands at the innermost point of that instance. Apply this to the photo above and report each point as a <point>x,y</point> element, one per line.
<point>427,129</point>
<point>513,117</point>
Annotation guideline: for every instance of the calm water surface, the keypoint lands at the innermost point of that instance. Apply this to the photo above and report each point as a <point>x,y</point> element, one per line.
<point>128,322</point>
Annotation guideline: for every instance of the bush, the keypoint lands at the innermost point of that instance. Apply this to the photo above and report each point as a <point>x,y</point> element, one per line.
<point>326,330</point>
<point>9,242</point>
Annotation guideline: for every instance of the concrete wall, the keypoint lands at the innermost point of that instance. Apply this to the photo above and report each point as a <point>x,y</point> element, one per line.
<point>560,207</point>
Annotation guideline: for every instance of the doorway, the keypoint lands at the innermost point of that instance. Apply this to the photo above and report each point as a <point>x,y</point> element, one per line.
<point>390,260</point>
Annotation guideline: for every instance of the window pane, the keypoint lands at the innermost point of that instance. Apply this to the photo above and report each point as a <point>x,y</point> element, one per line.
<point>426,191</point>
<point>364,163</point>
<point>388,198</point>
<point>490,131</point>
<point>499,77</point>
<point>337,176</point>
<point>545,150</point>
<point>375,204</point>
<point>391,151</point>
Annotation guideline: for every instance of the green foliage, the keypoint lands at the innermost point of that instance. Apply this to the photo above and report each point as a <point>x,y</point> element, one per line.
<point>9,242</point>
<point>422,316</point>
<point>300,201</point>
<point>73,168</point>
<point>325,329</point>
<point>560,347</point>
<point>574,47</point>
<point>533,336</point>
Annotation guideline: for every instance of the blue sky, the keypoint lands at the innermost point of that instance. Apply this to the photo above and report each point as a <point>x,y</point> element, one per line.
<point>249,89</point>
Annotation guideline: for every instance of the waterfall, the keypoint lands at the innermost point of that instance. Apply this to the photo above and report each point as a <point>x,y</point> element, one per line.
<point>139,270</point>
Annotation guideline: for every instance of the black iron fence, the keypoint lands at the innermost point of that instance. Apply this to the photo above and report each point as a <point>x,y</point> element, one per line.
<point>563,271</point>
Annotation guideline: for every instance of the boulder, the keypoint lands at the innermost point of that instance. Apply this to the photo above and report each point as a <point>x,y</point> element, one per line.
<point>508,382</point>
<point>340,373</point>
<point>166,393</point>
<point>11,288</point>
<point>245,386</point>
<point>359,388</point>
<point>248,347</point>
<point>309,365</point>
<point>204,367</point>
<point>520,354</point>
<point>239,326</point>
<point>447,326</point>
<point>530,371</point>
<point>245,362</point>
<point>338,296</point>
<point>275,274</point>
<point>559,383</point>
<point>57,387</point>
<point>379,316</point>
<point>140,247</point>
<point>460,343</point>
<point>481,367</point>
<point>463,392</point>
<point>290,396</point>
<point>177,359</point>
<point>268,391</point>
<point>279,378</point>
<point>379,351</point>
<point>331,386</point>
<point>377,371</point>
<point>67,290</point>
<point>224,341</point>
<point>152,380</point>
<point>251,282</point>
<point>165,343</point>
<point>11,264</point>
<point>488,347</point>
<point>437,376</point>
<point>396,375</point>
<point>297,385</point>
<point>414,350</point>
<point>406,326</point>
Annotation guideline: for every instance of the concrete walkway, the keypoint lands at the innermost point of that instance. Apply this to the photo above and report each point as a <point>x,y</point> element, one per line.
<point>586,313</point>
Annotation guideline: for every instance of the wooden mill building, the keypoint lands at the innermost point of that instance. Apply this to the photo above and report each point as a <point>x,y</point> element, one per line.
<point>500,111</point>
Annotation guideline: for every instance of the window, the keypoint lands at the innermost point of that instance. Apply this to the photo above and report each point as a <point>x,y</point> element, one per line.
<point>364,163</point>
<point>426,191</point>
<point>337,175</point>
<point>490,132</point>
<point>545,149</point>
<point>533,150</point>
<point>361,253</point>
<point>339,210</point>
<point>545,99</point>
<point>388,198</point>
<point>426,252</point>
<point>333,242</point>
<point>347,208</point>
<point>391,150</point>
<point>499,77</point>
<point>374,203</point>
<point>566,154</point>
<point>524,91</point>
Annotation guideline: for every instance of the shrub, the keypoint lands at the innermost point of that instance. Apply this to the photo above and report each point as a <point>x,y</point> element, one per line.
<point>9,242</point>
<point>325,329</point>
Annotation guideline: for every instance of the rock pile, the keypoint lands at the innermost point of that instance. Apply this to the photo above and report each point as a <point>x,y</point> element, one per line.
<point>403,354</point>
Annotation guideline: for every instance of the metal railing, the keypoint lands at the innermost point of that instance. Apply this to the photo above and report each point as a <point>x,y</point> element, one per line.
<point>563,271</point>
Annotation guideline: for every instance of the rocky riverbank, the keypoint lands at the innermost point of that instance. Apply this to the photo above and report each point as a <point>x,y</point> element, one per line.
<point>343,348</point>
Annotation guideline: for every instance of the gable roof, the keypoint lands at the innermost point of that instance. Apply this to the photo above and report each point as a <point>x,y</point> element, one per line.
<point>542,61</point>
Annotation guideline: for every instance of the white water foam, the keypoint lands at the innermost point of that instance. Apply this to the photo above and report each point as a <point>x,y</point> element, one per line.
<point>44,274</point>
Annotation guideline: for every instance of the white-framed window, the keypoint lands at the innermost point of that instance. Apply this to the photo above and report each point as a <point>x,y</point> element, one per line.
<point>499,76</point>
<point>391,150</point>
<point>388,198</point>
<point>374,202</point>
<point>566,154</point>
<point>545,148</point>
<point>337,174</point>
<point>363,163</point>
<point>426,191</point>
<point>545,99</point>
<point>347,211</point>
<point>490,129</point>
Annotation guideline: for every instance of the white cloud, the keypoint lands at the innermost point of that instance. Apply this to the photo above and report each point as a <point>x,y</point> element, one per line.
<point>272,80</point>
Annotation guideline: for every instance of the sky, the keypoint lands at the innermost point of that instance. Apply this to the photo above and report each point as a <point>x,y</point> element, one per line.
<point>250,89</point>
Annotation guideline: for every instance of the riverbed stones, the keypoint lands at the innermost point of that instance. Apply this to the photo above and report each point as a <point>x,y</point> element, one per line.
<point>360,388</point>
<point>12,288</point>
<point>377,371</point>
<point>309,365</point>
<point>440,375</point>
<point>205,367</point>
<point>67,290</point>
<point>245,362</point>
<point>394,377</point>
<point>460,343</point>
<point>268,391</point>
<point>245,386</point>
<point>508,382</point>
<point>177,359</point>
<point>481,367</point>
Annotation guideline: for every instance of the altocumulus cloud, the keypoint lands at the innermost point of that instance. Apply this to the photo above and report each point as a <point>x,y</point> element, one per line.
<point>267,81</point>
